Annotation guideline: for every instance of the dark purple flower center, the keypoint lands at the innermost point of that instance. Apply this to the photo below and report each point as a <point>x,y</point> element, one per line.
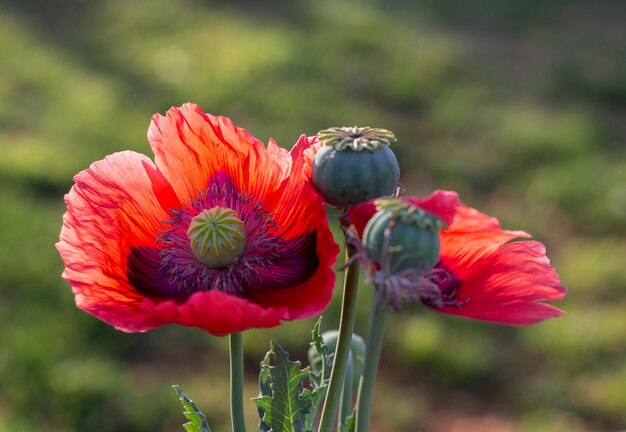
<point>435,288</point>
<point>446,281</point>
<point>268,262</point>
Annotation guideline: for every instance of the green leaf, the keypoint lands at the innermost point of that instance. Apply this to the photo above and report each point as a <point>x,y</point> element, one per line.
<point>323,356</point>
<point>197,420</point>
<point>265,391</point>
<point>348,424</point>
<point>320,353</point>
<point>285,408</point>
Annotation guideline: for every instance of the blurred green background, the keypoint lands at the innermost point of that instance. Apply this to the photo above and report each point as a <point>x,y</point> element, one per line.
<point>518,105</point>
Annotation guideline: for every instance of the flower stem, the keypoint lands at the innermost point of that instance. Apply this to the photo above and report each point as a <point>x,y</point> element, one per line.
<point>370,368</point>
<point>344,341</point>
<point>236,382</point>
<point>346,394</point>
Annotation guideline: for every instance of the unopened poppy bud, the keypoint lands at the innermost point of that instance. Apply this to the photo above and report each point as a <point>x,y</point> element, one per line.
<point>401,236</point>
<point>355,165</point>
<point>357,351</point>
<point>217,237</point>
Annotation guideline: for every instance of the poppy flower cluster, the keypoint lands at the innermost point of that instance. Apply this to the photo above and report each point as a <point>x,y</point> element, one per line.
<point>220,232</point>
<point>223,233</point>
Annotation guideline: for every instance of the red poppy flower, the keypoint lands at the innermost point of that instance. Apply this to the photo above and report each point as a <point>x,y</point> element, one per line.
<point>126,238</point>
<point>481,273</point>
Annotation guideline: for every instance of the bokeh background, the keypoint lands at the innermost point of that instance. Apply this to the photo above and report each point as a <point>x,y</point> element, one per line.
<point>518,105</point>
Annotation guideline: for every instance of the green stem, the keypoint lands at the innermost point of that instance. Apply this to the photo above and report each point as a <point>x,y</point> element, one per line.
<point>370,368</point>
<point>346,393</point>
<point>236,382</point>
<point>344,341</point>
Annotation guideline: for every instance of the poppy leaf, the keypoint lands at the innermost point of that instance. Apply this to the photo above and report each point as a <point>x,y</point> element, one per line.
<point>197,420</point>
<point>349,424</point>
<point>320,374</point>
<point>265,396</point>
<point>284,406</point>
<point>323,353</point>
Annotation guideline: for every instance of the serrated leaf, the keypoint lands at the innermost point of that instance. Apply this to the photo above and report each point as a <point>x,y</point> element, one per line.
<point>265,391</point>
<point>319,379</point>
<point>197,419</point>
<point>349,424</point>
<point>285,408</point>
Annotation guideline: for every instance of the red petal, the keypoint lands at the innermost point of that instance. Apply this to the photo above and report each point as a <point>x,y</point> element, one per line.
<point>312,296</point>
<point>360,215</point>
<point>442,203</point>
<point>300,209</point>
<point>111,208</point>
<point>515,313</point>
<point>296,205</point>
<point>464,250</point>
<point>502,285</point>
<point>191,146</point>
<point>218,313</point>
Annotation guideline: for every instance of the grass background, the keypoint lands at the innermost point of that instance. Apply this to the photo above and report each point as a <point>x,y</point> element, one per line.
<point>519,106</point>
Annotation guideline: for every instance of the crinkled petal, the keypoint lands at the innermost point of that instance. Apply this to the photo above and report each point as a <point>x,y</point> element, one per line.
<point>469,248</point>
<point>216,312</point>
<point>296,205</point>
<point>312,296</point>
<point>504,286</point>
<point>300,209</point>
<point>514,313</point>
<point>112,207</point>
<point>190,147</point>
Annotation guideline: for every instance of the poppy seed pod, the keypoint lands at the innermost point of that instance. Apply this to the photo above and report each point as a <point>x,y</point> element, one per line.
<point>355,165</point>
<point>401,236</point>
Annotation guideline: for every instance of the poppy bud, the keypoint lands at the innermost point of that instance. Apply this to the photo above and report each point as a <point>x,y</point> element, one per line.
<point>401,236</point>
<point>217,237</point>
<point>355,165</point>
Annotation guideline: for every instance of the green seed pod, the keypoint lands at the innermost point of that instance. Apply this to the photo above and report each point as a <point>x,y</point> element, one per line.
<point>357,349</point>
<point>355,165</point>
<point>217,237</point>
<point>401,236</point>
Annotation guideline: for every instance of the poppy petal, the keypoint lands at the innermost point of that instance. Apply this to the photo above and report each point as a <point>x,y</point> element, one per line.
<point>298,201</point>
<point>441,203</point>
<point>312,296</point>
<point>190,147</point>
<point>517,271</point>
<point>216,312</point>
<point>514,313</point>
<point>111,208</point>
